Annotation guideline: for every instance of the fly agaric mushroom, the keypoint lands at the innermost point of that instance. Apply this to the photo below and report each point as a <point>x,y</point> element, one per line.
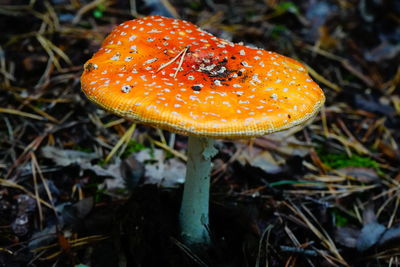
<point>170,74</point>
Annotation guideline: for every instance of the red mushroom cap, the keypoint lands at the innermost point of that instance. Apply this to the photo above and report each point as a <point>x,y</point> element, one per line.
<point>170,74</point>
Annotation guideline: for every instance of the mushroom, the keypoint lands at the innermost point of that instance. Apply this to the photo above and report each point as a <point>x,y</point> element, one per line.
<point>170,74</point>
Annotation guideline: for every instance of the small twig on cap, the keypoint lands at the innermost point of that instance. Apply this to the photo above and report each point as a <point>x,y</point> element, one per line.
<point>171,61</point>
<point>181,61</point>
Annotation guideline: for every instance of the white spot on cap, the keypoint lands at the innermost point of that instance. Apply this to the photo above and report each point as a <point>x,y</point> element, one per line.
<point>242,53</point>
<point>151,60</point>
<point>239,93</point>
<point>255,78</point>
<point>116,57</point>
<point>154,31</point>
<point>126,88</point>
<point>244,63</point>
<point>132,37</point>
<point>217,83</point>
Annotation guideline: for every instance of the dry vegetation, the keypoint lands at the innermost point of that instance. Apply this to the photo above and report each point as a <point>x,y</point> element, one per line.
<point>81,186</point>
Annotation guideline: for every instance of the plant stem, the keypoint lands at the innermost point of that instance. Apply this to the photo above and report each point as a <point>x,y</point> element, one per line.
<point>195,201</point>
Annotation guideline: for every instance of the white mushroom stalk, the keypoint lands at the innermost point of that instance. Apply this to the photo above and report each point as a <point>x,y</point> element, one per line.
<point>193,216</point>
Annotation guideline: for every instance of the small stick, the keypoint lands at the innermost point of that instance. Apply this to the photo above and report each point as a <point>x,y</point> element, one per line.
<point>171,61</point>
<point>181,61</point>
<point>307,252</point>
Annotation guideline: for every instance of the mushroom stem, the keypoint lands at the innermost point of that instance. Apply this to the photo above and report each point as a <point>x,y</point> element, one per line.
<point>195,201</point>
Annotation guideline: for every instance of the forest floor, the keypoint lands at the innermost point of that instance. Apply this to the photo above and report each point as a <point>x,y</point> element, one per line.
<point>326,194</point>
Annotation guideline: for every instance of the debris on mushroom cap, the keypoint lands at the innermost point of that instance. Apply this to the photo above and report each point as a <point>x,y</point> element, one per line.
<point>170,74</point>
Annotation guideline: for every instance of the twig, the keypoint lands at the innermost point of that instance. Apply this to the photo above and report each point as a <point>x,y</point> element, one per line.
<point>20,113</point>
<point>189,252</point>
<point>169,149</point>
<point>181,61</point>
<point>163,65</point>
<point>321,79</point>
<point>9,183</point>
<point>37,197</point>
<point>125,138</point>
<point>86,8</point>
<point>303,251</point>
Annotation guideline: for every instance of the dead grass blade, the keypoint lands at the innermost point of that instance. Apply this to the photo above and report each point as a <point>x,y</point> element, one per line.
<point>86,8</point>
<point>124,139</point>
<point>21,113</point>
<point>36,167</point>
<point>189,253</point>
<point>337,191</point>
<point>73,243</point>
<point>266,233</point>
<point>321,234</point>
<point>114,123</point>
<point>7,73</point>
<point>344,62</point>
<point>9,183</point>
<point>36,188</point>
<point>321,79</point>
<point>169,149</point>
<point>52,50</point>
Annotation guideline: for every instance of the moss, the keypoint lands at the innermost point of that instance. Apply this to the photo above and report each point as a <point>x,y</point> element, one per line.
<point>338,161</point>
<point>132,147</point>
<point>99,11</point>
<point>340,218</point>
<point>278,31</point>
<point>195,5</point>
<point>287,7</point>
<point>83,149</point>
